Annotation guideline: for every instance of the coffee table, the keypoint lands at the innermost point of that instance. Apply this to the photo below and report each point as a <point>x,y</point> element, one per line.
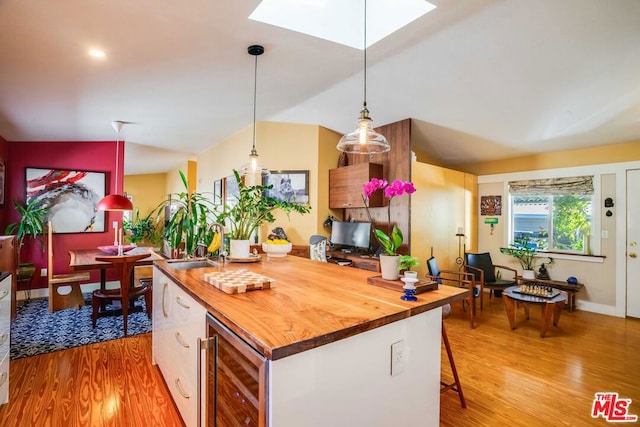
<point>550,306</point>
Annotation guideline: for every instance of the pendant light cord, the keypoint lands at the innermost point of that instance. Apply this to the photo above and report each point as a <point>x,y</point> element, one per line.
<point>365,54</point>
<point>255,92</point>
<point>117,160</point>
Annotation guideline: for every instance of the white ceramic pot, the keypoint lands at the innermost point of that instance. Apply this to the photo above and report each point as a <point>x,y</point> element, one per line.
<point>528,274</point>
<point>411,274</point>
<point>239,248</point>
<point>389,266</point>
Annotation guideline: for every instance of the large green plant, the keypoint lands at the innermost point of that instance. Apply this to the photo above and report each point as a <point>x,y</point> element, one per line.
<point>191,213</point>
<point>524,252</point>
<point>254,208</point>
<point>31,224</point>
<point>141,229</point>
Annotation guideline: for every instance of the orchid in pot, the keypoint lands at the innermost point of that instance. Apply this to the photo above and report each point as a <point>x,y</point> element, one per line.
<point>392,241</point>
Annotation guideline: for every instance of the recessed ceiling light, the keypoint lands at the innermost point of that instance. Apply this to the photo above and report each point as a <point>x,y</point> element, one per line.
<point>97,53</point>
<point>339,20</point>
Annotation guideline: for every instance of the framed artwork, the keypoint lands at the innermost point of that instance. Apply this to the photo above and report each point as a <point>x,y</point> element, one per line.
<point>70,195</point>
<point>491,205</point>
<point>231,190</point>
<point>2,182</point>
<point>217,192</point>
<point>290,186</point>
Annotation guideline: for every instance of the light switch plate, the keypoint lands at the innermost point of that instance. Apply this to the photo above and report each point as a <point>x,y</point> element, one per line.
<point>397,358</point>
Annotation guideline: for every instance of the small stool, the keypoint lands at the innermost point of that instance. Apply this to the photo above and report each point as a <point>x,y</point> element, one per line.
<point>455,385</point>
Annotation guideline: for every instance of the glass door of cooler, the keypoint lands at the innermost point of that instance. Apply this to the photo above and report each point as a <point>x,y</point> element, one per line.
<point>236,380</point>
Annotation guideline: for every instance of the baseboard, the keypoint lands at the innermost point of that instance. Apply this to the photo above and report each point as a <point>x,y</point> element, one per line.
<point>44,292</point>
<point>608,310</point>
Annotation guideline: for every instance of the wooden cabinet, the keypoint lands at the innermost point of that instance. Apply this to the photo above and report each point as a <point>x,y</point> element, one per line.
<point>345,186</point>
<point>363,262</point>
<point>9,263</point>
<point>178,322</point>
<point>6,296</point>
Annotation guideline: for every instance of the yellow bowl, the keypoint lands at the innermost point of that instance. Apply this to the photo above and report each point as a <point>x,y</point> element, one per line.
<point>276,251</point>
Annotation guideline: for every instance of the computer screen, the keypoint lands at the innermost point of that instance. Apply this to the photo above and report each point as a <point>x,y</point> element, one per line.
<point>351,234</point>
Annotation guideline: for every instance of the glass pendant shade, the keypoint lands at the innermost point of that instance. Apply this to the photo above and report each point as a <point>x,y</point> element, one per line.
<point>252,167</point>
<point>364,140</point>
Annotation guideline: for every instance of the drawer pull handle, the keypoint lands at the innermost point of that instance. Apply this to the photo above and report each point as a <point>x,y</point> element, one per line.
<point>181,340</point>
<point>179,301</point>
<point>180,390</point>
<point>3,378</point>
<point>164,308</point>
<point>4,338</point>
<point>4,294</point>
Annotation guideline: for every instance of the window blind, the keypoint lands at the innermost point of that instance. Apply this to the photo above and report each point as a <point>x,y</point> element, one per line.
<point>567,186</point>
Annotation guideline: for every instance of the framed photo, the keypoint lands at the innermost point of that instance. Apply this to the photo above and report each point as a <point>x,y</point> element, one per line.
<point>231,190</point>
<point>70,195</point>
<point>2,182</point>
<point>217,193</point>
<point>291,186</point>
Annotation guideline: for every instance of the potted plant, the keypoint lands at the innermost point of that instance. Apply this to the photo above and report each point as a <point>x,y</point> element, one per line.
<point>252,209</point>
<point>525,252</point>
<point>188,223</point>
<point>406,263</point>
<point>141,229</point>
<point>31,224</point>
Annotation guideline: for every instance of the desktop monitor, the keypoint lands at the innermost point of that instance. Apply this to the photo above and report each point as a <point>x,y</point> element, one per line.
<point>351,235</point>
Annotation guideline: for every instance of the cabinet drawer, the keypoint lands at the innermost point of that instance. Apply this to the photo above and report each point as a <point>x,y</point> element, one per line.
<point>367,265</point>
<point>4,379</point>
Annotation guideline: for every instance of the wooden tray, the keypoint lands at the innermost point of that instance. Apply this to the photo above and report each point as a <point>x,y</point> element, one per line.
<point>396,285</point>
<point>252,258</point>
<point>238,281</point>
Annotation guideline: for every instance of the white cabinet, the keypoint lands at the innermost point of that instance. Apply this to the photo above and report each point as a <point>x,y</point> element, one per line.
<point>178,322</point>
<point>5,336</point>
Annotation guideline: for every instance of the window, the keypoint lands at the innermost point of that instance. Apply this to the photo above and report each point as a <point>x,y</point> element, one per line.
<point>555,214</point>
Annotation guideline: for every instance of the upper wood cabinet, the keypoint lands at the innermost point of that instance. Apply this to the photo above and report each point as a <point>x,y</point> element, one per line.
<point>345,186</point>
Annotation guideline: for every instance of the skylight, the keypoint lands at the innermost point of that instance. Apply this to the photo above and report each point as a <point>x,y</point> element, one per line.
<point>341,21</point>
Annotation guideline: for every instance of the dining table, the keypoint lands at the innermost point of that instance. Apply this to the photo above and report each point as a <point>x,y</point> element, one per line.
<point>85,260</point>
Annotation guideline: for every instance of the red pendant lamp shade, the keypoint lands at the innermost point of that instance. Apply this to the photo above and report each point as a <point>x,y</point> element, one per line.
<point>116,202</point>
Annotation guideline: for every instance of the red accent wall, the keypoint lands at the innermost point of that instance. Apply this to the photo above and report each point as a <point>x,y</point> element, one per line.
<point>89,156</point>
<point>3,158</point>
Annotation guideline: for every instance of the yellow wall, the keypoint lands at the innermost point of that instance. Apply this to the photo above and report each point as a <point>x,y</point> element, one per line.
<point>442,203</point>
<point>281,146</point>
<point>174,182</point>
<point>147,191</point>
<point>612,153</point>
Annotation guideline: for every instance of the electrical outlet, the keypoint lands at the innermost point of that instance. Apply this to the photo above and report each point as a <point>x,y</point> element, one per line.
<point>115,225</point>
<point>397,358</point>
<point>605,234</point>
<point>43,272</point>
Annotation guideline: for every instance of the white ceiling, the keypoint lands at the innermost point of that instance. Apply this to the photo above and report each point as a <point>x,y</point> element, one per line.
<point>484,79</point>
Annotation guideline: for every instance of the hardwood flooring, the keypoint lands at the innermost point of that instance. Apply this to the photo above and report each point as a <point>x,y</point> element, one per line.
<point>516,378</point>
<point>508,377</point>
<point>106,384</point>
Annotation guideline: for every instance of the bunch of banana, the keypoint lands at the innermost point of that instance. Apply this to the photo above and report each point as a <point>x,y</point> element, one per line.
<point>215,243</point>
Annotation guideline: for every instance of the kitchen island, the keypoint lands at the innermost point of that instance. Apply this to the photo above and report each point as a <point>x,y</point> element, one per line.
<point>316,348</point>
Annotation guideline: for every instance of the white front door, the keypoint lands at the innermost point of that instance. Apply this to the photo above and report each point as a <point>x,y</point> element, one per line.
<point>633,243</point>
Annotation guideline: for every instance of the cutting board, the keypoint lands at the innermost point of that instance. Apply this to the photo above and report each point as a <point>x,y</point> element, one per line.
<point>238,281</point>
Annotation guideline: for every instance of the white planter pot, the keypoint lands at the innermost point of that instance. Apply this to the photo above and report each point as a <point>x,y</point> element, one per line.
<point>528,274</point>
<point>389,266</point>
<point>239,248</point>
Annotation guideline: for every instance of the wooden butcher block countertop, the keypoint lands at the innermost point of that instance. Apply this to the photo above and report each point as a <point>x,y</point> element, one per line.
<point>311,304</point>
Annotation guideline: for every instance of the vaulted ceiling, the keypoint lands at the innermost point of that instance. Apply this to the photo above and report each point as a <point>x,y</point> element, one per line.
<point>484,79</point>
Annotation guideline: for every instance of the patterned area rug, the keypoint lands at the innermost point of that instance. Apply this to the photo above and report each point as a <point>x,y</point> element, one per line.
<point>36,331</point>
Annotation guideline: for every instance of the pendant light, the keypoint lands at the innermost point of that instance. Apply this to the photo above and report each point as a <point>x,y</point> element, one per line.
<point>252,167</point>
<point>364,140</point>
<point>116,202</point>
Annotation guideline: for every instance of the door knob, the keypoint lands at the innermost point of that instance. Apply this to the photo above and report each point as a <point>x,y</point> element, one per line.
<point>633,255</point>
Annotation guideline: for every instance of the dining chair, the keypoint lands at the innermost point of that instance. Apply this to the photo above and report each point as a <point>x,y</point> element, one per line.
<point>64,289</point>
<point>487,274</point>
<point>128,291</point>
<point>459,279</point>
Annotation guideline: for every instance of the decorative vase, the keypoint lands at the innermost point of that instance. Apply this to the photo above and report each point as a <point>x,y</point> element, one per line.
<point>239,248</point>
<point>528,274</point>
<point>389,266</point>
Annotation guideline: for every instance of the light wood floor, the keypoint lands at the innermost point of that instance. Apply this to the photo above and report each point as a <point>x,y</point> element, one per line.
<point>510,378</point>
<point>516,378</point>
<point>105,384</point>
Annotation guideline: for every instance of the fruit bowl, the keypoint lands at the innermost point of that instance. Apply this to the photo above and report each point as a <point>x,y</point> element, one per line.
<point>276,250</point>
